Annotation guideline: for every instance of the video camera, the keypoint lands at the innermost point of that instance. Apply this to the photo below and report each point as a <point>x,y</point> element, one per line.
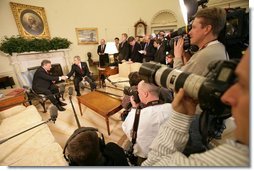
<point>207,90</point>
<point>181,32</point>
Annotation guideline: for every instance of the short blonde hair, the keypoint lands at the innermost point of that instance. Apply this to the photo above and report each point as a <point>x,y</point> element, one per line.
<point>214,16</point>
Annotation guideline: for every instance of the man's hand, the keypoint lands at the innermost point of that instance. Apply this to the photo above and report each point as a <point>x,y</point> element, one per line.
<point>178,48</point>
<point>133,103</point>
<point>184,104</point>
<point>64,77</point>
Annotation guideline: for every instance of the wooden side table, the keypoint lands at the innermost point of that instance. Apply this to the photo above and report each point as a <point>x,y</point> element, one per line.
<point>101,103</point>
<point>11,98</point>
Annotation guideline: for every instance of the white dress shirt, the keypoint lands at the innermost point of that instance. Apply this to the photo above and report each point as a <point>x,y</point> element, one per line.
<point>151,118</point>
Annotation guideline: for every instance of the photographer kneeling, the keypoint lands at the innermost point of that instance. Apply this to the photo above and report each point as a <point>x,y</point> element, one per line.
<point>151,117</point>
<point>167,147</point>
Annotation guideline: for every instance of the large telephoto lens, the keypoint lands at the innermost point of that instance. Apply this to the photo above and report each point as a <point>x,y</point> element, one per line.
<point>169,78</point>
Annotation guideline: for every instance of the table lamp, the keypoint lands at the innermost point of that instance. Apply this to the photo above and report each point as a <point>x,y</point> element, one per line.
<point>111,50</point>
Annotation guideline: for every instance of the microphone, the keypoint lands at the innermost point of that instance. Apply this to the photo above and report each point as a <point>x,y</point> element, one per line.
<point>70,91</point>
<point>114,84</point>
<point>53,116</point>
<point>53,113</point>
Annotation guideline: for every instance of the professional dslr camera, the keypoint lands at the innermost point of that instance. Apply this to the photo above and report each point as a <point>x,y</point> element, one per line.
<point>181,32</point>
<point>207,90</point>
<point>132,91</point>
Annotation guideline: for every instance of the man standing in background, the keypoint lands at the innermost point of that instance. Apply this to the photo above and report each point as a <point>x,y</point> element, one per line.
<point>124,48</point>
<point>103,57</point>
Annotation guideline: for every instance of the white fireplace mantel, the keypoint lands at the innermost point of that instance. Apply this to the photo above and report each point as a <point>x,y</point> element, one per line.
<point>22,61</point>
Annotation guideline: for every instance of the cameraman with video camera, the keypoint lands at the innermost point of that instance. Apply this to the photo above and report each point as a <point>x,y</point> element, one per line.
<point>167,147</point>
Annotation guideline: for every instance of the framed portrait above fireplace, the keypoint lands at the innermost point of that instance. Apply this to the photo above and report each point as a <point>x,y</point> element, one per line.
<point>31,20</point>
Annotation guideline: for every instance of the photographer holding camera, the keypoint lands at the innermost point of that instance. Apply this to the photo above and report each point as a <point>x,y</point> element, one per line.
<point>206,28</point>
<point>165,95</point>
<point>151,117</point>
<point>167,147</point>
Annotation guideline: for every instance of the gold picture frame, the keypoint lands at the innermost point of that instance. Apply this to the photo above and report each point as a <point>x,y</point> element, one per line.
<point>87,35</point>
<point>31,20</point>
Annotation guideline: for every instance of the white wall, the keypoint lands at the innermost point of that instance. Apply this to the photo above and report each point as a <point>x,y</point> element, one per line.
<point>111,17</point>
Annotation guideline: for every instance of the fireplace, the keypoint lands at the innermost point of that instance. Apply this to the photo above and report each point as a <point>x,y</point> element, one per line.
<point>22,62</point>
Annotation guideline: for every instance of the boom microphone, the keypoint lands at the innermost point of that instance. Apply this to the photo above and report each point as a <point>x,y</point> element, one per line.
<point>53,113</point>
<point>70,91</point>
<point>53,116</point>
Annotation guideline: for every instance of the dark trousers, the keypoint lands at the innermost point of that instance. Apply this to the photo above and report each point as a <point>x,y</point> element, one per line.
<point>89,79</point>
<point>104,60</point>
<point>52,93</point>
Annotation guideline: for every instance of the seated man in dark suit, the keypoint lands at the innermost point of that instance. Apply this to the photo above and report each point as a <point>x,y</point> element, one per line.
<point>81,70</point>
<point>44,83</point>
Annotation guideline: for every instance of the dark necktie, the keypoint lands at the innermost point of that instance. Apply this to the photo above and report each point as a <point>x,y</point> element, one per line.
<point>81,70</point>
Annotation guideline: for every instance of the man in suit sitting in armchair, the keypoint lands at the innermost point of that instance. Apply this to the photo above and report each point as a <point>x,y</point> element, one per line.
<point>81,70</point>
<point>44,83</point>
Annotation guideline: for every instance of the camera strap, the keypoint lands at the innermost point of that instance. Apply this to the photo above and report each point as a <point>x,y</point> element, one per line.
<point>135,126</point>
<point>153,103</point>
<point>136,120</point>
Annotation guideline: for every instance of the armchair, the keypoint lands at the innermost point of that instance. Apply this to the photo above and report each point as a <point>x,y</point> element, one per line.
<point>32,95</point>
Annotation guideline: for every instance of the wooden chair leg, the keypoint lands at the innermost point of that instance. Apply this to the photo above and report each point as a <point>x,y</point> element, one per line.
<point>44,106</point>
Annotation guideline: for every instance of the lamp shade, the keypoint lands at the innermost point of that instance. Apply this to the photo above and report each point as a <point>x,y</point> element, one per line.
<point>111,48</point>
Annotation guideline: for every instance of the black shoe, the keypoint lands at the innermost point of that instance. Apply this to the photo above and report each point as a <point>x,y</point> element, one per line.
<point>78,94</point>
<point>60,108</point>
<point>62,103</point>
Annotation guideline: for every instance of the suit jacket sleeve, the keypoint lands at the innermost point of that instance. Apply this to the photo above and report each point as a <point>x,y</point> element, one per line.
<point>46,76</point>
<point>71,72</point>
<point>150,50</point>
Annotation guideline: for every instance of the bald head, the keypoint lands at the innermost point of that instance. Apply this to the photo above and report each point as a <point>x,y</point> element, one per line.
<point>147,92</point>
